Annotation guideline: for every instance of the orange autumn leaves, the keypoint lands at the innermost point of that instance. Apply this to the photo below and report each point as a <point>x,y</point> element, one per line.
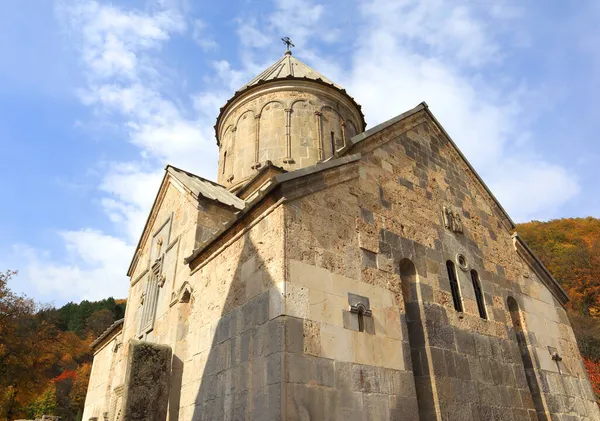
<point>570,249</point>
<point>45,358</point>
<point>593,371</point>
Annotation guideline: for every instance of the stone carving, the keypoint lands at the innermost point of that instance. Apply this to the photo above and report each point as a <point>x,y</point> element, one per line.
<point>452,220</point>
<point>359,304</point>
<point>161,279</point>
<point>462,263</point>
<point>359,316</point>
<point>147,382</point>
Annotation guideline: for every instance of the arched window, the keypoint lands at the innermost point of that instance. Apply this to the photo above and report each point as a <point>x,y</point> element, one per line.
<point>478,294</point>
<point>224,162</point>
<point>454,286</point>
<point>332,143</point>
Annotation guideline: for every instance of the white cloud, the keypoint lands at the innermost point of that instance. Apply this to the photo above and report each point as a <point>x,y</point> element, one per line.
<point>403,52</point>
<point>533,189</point>
<point>485,115</point>
<point>250,35</point>
<point>449,55</point>
<point>120,51</point>
<point>93,268</point>
<point>299,16</point>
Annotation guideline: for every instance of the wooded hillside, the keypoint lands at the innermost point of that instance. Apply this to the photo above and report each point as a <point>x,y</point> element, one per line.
<point>45,358</point>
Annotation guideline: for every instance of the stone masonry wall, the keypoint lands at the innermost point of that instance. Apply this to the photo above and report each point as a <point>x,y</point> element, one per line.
<point>333,372</point>
<point>99,396</point>
<point>471,367</point>
<point>232,367</point>
<point>189,223</point>
<point>311,119</point>
<point>356,235</point>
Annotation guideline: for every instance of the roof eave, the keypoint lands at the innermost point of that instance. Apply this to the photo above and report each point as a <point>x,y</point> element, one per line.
<point>112,329</point>
<point>170,173</point>
<point>540,270</point>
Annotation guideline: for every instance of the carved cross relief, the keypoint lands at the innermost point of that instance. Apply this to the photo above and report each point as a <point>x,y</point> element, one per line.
<point>156,277</point>
<point>452,220</point>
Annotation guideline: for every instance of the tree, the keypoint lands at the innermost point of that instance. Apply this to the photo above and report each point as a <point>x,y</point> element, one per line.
<point>45,404</point>
<point>79,389</point>
<point>45,358</point>
<point>99,321</point>
<point>593,370</point>
<point>26,344</point>
<point>569,249</point>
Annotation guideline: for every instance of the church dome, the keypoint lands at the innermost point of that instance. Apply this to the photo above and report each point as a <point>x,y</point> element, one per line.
<point>290,115</point>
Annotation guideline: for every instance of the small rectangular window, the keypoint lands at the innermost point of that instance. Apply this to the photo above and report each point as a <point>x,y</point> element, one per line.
<point>454,288</point>
<point>361,322</point>
<point>478,294</point>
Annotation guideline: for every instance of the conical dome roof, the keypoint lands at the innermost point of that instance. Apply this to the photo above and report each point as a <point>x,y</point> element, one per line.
<point>287,68</point>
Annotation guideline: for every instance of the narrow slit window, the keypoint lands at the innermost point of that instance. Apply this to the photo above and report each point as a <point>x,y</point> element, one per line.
<point>478,294</point>
<point>454,286</point>
<point>361,322</point>
<point>332,143</point>
<point>224,162</point>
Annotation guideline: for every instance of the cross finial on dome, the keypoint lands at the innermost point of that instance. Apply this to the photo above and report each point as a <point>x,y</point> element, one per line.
<point>288,43</point>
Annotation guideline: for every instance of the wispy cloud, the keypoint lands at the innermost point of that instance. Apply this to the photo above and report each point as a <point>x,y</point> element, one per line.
<point>482,111</point>
<point>395,55</point>
<point>448,54</point>
<point>202,36</point>
<point>120,53</point>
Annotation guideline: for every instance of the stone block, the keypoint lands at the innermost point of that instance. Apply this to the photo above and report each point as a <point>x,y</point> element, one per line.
<point>376,406</point>
<point>337,343</point>
<point>147,382</point>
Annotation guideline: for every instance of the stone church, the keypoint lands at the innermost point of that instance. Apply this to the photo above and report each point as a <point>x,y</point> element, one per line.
<point>335,273</point>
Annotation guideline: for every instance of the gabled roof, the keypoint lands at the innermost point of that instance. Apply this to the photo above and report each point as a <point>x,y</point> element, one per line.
<point>199,188</point>
<point>111,330</point>
<point>287,68</point>
<point>344,157</point>
<point>424,107</point>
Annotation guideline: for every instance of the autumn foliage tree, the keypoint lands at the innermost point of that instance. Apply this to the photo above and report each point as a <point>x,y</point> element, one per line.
<point>26,349</point>
<point>570,249</point>
<point>45,358</point>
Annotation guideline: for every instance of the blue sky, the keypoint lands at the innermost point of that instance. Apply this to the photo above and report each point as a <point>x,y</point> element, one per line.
<point>96,97</point>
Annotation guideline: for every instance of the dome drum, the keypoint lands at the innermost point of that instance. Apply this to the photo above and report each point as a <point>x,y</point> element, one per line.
<point>294,122</point>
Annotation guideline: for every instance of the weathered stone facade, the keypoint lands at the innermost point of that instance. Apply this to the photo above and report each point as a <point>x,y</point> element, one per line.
<point>105,392</point>
<point>384,282</point>
<point>292,122</point>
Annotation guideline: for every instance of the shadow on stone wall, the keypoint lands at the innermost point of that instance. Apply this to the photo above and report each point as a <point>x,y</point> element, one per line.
<point>250,357</point>
<point>243,372</point>
<point>416,338</point>
<point>529,359</point>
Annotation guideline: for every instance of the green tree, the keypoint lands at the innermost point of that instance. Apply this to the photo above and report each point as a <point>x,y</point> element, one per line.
<point>45,404</point>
